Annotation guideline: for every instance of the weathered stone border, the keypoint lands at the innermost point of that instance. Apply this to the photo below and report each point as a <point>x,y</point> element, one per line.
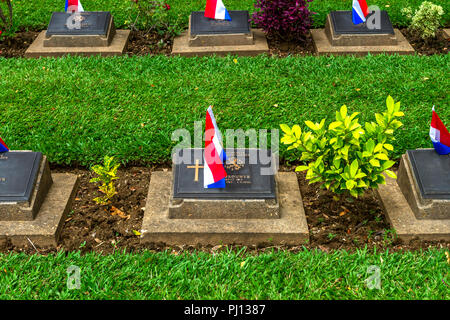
<point>324,47</point>
<point>45,229</point>
<point>181,47</point>
<point>403,220</point>
<point>291,228</point>
<point>117,47</point>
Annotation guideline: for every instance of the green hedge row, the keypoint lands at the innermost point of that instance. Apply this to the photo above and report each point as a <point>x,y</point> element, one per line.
<point>76,110</point>
<point>36,14</point>
<point>227,275</point>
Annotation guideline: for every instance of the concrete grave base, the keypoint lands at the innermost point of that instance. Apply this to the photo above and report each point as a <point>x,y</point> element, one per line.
<point>291,228</point>
<point>403,220</point>
<point>446,33</point>
<point>117,47</point>
<point>45,229</point>
<point>27,210</point>
<point>181,46</point>
<point>422,208</point>
<point>323,46</point>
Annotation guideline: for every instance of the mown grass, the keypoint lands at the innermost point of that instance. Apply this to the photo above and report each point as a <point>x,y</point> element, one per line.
<point>76,110</point>
<point>227,275</point>
<point>36,14</point>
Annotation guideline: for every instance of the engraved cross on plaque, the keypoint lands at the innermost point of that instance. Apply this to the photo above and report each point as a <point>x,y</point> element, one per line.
<point>196,167</point>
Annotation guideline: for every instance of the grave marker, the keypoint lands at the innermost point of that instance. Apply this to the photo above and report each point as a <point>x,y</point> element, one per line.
<point>207,36</point>
<point>84,33</point>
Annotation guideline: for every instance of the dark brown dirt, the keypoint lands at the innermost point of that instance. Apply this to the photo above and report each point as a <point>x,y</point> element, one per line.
<point>16,47</point>
<point>437,45</point>
<point>344,224</point>
<point>282,48</point>
<point>103,228</point>
<point>142,43</point>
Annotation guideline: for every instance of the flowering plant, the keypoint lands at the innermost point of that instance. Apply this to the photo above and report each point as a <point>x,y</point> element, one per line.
<point>287,19</point>
<point>152,15</point>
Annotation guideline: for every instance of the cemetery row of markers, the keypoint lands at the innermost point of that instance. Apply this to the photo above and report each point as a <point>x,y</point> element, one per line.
<point>218,31</point>
<point>216,196</point>
<point>233,196</point>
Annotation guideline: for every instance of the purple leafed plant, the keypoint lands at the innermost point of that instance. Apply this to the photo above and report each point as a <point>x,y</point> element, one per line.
<point>287,19</point>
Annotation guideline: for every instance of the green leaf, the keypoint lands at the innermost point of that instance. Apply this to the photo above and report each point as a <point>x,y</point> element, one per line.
<point>337,163</point>
<point>334,125</point>
<point>297,131</point>
<point>360,175</point>
<point>390,104</point>
<point>391,174</point>
<point>350,184</point>
<point>354,193</point>
<point>370,145</point>
<point>380,120</point>
<point>378,148</point>
<point>388,164</point>
<point>388,146</point>
<point>301,168</point>
<point>311,125</point>
<point>374,162</point>
<point>286,129</point>
<point>343,111</point>
<point>381,156</point>
<point>288,140</point>
<point>354,168</point>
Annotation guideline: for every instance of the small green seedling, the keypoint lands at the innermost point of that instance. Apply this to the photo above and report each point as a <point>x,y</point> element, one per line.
<point>106,176</point>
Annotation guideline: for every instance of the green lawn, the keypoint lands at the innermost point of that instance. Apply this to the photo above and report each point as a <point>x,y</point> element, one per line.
<point>76,110</point>
<point>227,275</point>
<point>36,14</point>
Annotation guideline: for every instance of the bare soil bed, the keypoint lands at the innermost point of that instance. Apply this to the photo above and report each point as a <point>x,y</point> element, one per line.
<point>345,224</point>
<point>142,43</point>
<point>438,45</point>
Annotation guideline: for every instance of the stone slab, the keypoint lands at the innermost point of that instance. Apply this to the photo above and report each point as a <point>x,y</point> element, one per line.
<point>82,23</point>
<point>200,25</point>
<point>45,229</point>
<point>403,220</point>
<point>181,47</point>
<point>27,208</point>
<point>342,23</point>
<point>291,228</point>
<point>83,40</point>
<point>358,39</point>
<point>251,189</point>
<point>249,175</point>
<point>209,32</point>
<point>324,47</point>
<point>423,208</point>
<point>18,174</point>
<point>117,47</point>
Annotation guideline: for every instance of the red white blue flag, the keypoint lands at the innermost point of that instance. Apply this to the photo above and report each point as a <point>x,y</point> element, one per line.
<point>214,156</point>
<point>3,146</point>
<point>73,5</point>
<point>359,11</point>
<point>439,135</point>
<point>215,9</point>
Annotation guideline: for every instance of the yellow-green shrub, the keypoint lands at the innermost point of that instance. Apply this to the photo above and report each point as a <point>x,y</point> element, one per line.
<point>347,157</point>
<point>426,20</point>
<point>106,176</point>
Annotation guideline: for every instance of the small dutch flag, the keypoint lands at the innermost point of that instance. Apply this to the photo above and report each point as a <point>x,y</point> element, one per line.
<point>73,5</point>
<point>359,11</point>
<point>214,156</point>
<point>215,9</point>
<point>439,135</point>
<point>3,146</point>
